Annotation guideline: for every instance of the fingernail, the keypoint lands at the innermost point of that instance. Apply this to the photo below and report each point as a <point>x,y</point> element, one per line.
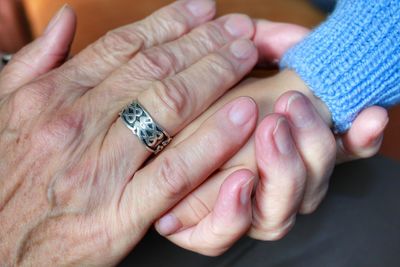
<point>301,113</point>
<point>282,137</point>
<point>168,225</point>
<point>239,26</point>
<point>245,192</point>
<point>242,111</point>
<point>242,49</point>
<point>200,8</point>
<point>53,22</point>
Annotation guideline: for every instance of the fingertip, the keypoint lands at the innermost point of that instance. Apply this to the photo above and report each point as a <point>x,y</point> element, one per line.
<point>168,225</point>
<point>237,183</point>
<point>266,149</point>
<point>274,39</point>
<point>242,112</point>
<point>61,29</point>
<point>235,194</point>
<point>205,9</point>
<point>244,55</point>
<point>372,120</point>
<point>267,126</point>
<point>366,134</point>
<point>282,102</point>
<point>45,53</point>
<point>239,25</point>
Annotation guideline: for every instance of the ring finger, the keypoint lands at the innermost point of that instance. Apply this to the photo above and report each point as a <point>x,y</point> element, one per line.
<point>177,100</point>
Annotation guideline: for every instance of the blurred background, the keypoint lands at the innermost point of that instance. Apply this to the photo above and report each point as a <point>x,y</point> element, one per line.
<point>23,20</point>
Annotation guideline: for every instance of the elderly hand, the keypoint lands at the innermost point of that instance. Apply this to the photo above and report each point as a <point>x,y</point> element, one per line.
<point>73,188</point>
<point>293,152</point>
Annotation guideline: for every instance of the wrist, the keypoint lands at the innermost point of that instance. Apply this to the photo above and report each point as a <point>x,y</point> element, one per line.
<point>288,80</point>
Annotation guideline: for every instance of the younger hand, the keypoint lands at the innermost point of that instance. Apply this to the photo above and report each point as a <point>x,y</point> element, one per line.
<point>281,191</point>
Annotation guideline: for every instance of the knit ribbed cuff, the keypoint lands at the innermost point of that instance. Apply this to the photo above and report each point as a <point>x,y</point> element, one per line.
<point>352,61</point>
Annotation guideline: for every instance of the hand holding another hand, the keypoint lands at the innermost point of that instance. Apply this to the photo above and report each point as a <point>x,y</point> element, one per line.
<point>291,157</point>
<point>73,188</point>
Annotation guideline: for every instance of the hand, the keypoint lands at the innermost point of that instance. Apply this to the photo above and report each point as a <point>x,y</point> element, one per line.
<point>73,188</point>
<point>282,191</point>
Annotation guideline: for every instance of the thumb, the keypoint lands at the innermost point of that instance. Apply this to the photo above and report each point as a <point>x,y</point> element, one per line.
<point>365,136</point>
<point>45,53</point>
<point>273,39</point>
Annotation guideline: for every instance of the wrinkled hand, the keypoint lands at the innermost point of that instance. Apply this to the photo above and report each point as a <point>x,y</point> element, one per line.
<point>292,157</point>
<point>73,189</point>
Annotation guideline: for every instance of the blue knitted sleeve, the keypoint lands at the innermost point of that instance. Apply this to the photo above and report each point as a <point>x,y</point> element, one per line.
<point>352,61</point>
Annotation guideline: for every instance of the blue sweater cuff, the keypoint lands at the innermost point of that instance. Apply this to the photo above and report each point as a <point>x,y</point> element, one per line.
<point>352,61</point>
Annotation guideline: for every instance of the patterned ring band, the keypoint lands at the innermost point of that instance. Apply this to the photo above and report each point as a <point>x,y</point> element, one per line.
<point>138,120</point>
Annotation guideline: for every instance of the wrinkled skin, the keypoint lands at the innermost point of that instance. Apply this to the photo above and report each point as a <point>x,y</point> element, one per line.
<point>74,190</point>
<point>73,187</point>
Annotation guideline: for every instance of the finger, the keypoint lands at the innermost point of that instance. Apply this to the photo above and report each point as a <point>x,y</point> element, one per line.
<point>99,60</point>
<point>315,143</point>
<point>44,54</point>
<point>160,62</point>
<point>178,100</point>
<point>196,206</point>
<point>221,228</point>
<point>274,39</point>
<point>282,180</point>
<point>180,169</point>
<point>365,136</point>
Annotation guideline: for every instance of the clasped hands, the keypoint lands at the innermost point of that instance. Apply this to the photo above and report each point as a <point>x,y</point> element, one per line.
<point>77,188</point>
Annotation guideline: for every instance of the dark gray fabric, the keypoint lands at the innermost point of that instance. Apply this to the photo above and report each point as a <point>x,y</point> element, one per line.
<point>358,224</point>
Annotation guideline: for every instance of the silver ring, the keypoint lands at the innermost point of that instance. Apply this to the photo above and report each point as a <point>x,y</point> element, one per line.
<point>6,58</point>
<point>138,120</point>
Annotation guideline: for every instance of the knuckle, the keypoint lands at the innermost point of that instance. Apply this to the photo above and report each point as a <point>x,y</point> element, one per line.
<point>308,207</point>
<point>161,25</point>
<point>208,37</point>
<point>322,156</point>
<point>173,180</point>
<point>169,20</point>
<point>174,97</point>
<point>154,64</point>
<point>311,203</point>
<point>31,99</point>
<point>221,68</point>
<point>117,45</point>
<point>272,232</point>
<point>61,130</point>
<point>36,94</point>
